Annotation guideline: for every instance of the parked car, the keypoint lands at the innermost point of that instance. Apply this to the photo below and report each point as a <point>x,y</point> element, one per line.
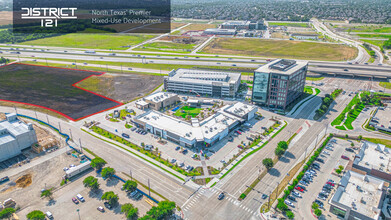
<point>330,180</point>
<point>74,200</point>
<point>221,196</point>
<point>289,203</point>
<point>80,198</point>
<point>107,205</point>
<point>125,135</point>
<point>319,160</point>
<point>101,209</point>
<point>292,198</point>
<point>177,148</point>
<point>320,203</point>
<point>322,197</point>
<point>345,157</point>
<point>349,150</point>
<point>49,215</point>
<point>264,196</point>
<point>132,194</point>
<point>331,184</point>
<point>303,182</point>
<point>326,152</point>
<point>296,194</point>
<point>173,160</point>
<point>185,151</point>
<point>299,189</point>
<point>238,132</point>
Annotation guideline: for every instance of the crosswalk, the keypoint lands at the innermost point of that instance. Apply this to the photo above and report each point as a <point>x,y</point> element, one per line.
<point>214,192</point>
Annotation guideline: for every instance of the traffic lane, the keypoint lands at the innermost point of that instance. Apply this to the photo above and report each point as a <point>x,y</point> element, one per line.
<point>121,161</point>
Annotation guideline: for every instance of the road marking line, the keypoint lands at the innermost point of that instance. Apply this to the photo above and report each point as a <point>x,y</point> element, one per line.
<point>241,206</point>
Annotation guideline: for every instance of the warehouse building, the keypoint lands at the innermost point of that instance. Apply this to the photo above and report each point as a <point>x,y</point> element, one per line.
<point>203,82</point>
<point>243,25</point>
<point>358,196</point>
<point>196,133</point>
<point>305,36</point>
<point>279,83</point>
<point>15,136</point>
<point>158,101</point>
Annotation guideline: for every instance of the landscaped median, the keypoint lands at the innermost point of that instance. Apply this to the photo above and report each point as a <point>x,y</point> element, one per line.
<point>251,151</point>
<point>353,109</point>
<point>326,102</point>
<point>281,205</point>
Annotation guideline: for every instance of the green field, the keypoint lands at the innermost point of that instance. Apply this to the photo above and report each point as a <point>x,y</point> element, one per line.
<point>314,78</point>
<point>376,29</point>
<point>281,49</point>
<point>167,47</point>
<point>386,85</point>
<point>186,110</point>
<point>374,35</point>
<point>289,24</point>
<point>93,41</point>
<point>378,43</point>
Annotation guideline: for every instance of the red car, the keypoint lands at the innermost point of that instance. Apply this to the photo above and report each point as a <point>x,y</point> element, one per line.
<point>345,157</point>
<point>240,146</point>
<point>75,200</point>
<point>299,188</point>
<point>330,183</point>
<point>238,132</point>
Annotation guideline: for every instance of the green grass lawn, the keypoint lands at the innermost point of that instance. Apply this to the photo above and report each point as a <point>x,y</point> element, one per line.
<point>376,29</point>
<point>186,110</point>
<point>374,35</point>
<point>386,85</point>
<point>167,47</point>
<point>379,141</point>
<point>93,41</point>
<point>308,89</point>
<point>290,24</point>
<point>310,78</point>
<point>281,49</point>
<point>378,43</point>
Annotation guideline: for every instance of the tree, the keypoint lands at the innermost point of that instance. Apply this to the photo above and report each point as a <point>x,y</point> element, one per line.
<point>130,185</point>
<point>282,206</point>
<point>98,163</point>
<point>352,144</point>
<point>110,197</point>
<point>47,193</point>
<point>129,210</point>
<point>314,205</point>
<point>318,212</point>
<point>268,163</point>
<point>360,137</point>
<point>108,172</point>
<point>91,182</point>
<point>279,152</point>
<point>290,215</point>
<point>36,215</point>
<point>339,171</point>
<point>283,145</point>
<point>163,210</point>
<point>7,213</point>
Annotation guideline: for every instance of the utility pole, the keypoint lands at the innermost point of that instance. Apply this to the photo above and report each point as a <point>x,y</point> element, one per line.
<point>149,188</point>
<point>121,68</point>
<point>15,110</point>
<point>131,176</point>
<point>36,116</point>
<point>47,118</point>
<point>81,148</point>
<point>46,61</point>
<point>59,126</point>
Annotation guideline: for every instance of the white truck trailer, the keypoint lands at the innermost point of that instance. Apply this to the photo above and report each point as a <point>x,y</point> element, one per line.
<point>74,171</point>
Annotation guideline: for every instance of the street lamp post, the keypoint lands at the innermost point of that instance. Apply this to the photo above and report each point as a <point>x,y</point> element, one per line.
<point>78,213</point>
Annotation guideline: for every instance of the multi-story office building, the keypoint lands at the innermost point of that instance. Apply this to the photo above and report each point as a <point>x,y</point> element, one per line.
<point>203,82</point>
<point>243,25</point>
<point>278,83</point>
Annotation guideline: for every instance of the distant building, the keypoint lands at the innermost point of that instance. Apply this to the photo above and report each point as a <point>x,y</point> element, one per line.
<point>243,25</point>
<point>15,136</point>
<point>218,31</point>
<point>158,101</point>
<point>197,133</point>
<point>203,82</point>
<point>358,197</point>
<point>279,83</point>
<point>381,119</point>
<point>305,36</point>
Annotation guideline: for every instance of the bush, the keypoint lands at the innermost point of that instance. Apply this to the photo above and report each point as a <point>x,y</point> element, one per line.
<point>242,196</point>
<point>290,215</point>
<point>338,171</point>
<point>108,172</point>
<point>7,213</point>
<point>290,188</point>
<point>282,206</point>
<point>318,212</point>
<point>314,205</point>
<point>36,215</point>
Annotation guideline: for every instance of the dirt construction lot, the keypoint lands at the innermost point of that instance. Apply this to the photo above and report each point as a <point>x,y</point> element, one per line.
<point>25,189</point>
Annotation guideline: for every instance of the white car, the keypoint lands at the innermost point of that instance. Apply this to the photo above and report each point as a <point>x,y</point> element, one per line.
<point>296,194</point>
<point>289,203</point>
<point>326,152</point>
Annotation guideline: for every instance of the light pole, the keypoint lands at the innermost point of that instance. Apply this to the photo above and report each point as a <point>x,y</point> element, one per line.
<point>70,132</point>
<point>131,176</point>
<point>78,213</point>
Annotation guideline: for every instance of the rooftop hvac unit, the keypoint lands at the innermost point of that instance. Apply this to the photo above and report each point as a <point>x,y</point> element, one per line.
<point>206,131</point>
<point>215,128</point>
<point>211,129</point>
<point>245,106</point>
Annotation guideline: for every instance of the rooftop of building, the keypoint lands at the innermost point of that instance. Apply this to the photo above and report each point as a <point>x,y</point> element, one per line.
<point>305,34</point>
<point>159,96</point>
<point>205,129</point>
<point>361,193</point>
<point>240,109</point>
<point>374,156</point>
<point>282,66</point>
<point>204,76</point>
<point>11,128</point>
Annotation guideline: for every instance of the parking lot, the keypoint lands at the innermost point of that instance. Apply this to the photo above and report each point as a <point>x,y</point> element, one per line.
<point>222,151</point>
<point>322,178</point>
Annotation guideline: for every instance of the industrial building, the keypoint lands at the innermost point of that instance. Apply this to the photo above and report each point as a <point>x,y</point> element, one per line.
<point>243,25</point>
<point>279,83</point>
<point>196,133</point>
<point>305,36</point>
<point>358,196</point>
<point>218,31</point>
<point>203,82</point>
<point>158,101</point>
<point>15,136</point>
